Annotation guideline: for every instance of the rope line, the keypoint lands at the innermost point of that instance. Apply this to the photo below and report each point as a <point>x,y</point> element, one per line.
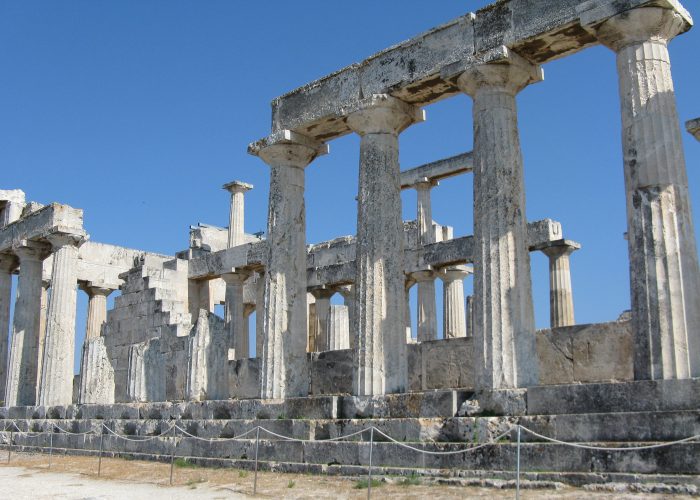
<point>454,452</point>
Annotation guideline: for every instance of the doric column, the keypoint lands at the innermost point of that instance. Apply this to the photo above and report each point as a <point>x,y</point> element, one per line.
<point>248,309</point>
<point>97,309</point>
<point>23,367</point>
<point>504,322</point>
<point>427,308</point>
<point>561,296</point>
<point>43,313</point>
<point>408,283</point>
<point>259,313</point>
<point>323,311</point>
<point>235,313</point>
<point>693,126</point>
<point>8,264</point>
<point>454,324</point>
<point>284,367</point>
<point>470,315</point>
<point>338,328</point>
<point>664,273</point>
<point>56,386</point>
<point>348,293</point>
<point>380,354</point>
<point>236,227</point>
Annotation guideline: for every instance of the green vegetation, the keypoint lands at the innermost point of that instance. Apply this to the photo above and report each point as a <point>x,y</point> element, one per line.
<point>185,464</point>
<point>291,484</point>
<point>412,480</point>
<point>362,484</point>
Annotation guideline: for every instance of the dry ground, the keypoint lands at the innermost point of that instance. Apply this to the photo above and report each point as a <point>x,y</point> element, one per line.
<point>71,477</point>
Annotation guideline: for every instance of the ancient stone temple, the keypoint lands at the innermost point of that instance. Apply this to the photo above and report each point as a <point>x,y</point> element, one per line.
<point>314,368</point>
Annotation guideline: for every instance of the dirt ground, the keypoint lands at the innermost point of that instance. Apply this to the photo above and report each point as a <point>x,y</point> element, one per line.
<point>29,476</point>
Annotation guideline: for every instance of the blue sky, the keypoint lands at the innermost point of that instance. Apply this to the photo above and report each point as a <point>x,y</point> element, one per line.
<point>138,111</point>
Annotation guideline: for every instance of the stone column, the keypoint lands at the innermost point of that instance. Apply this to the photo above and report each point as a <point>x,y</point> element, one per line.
<point>504,322</point>
<point>470,315</point>
<point>97,309</point>
<point>235,314</point>
<point>408,283</point>
<point>248,309</point>
<point>59,348</point>
<point>348,293</point>
<point>427,308</point>
<point>561,297</point>
<point>338,328</point>
<point>43,313</point>
<point>259,313</point>
<point>323,311</point>
<point>23,366</point>
<point>8,264</point>
<point>454,323</point>
<point>380,355</point>
<point>284,370</point>
<point>236,227</point>
<point>693,126</point>
<point>664,272</point>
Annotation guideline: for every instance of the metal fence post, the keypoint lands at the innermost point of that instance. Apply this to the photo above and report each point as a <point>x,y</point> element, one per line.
<point>99,460</point>
<point>9,452</point>
<point>172,456</point>
<point>257,444</point>
<point>50,445</point>
<point>517,472</point>
<point>369,469</point>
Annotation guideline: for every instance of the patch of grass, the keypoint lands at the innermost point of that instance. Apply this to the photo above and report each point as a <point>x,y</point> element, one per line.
<point>192,483</point>
<point>281,416</point>
<point>291,484</point>
<point>412,480</point>
<point>362,484</point>
<point>185,464</point>
<point>242,473</point>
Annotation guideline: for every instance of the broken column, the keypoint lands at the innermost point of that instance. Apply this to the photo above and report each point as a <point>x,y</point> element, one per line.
<point>454,323</point>
<point>23,367</point>
<point>236,227</point>
<point>380,353</point>
<point>235,313</point>
<point>207,359</point>
<point>8,264</point>
<point>323,311</point>
<point>693,126</point>
<point>284,370</point>
<point>427,309</point>
<point>664,273</point>
<point>96,373</point>
<point>506,356</point>
<point>561,296</point>
<point>56,386</point>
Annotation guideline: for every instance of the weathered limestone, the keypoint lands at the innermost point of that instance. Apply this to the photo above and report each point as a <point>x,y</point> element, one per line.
<point>470,315</point>
<point>504,317</point>
<point>236,227</point>
<point>8,264</point>
<point>11,205</point>
<point>693,126</point>
<point>146,380</point>
<point>284,369</point>
<point>348,293</point>
<point>664,271</point>
<point>96,373</point>
<point>23,367</point>
<point>380,365</point>
<point>434,171</point>
<point>208,359</point>
<point>427,308</point>
<point>454,324</point>
<point>338,328</point>
<point>322,313</point>
<point>561,296</point>
<point>97,309</point>
<point>57,368</point>
<point>235,314</point>
<point>259,313</point>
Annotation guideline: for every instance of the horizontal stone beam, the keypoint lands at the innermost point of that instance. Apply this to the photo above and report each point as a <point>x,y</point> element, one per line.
<point>51,219</point>
<point>539,31</point>
<point>437,170</point>
<point>693,127</point>
<point>213,265</point>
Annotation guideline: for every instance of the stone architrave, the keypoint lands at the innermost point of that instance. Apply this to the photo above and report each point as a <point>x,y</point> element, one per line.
<point>454,323</point>
<point>284,370</point>
<point>8,264</point>
<point>664,272</point>
<point>236,227</point>
<point>506,356</point>
<point>379,363</point>
<point>693,126</point>
<point>323,311</point>
<point>96,373</point>
<point>56,386</point>
<point>427,305</point>
<point>561,296</point>
<point>235,314</point>
<point>23,367</point>
<point>208,359</point>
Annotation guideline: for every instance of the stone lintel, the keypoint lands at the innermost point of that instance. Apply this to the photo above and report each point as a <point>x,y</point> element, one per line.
<point>594,12</point>
<point>435,171</point>
<point>250,256</point>
<point>287,137</point>
<point>693,126</point>
<point>237,186</point>
<point>54,218</point>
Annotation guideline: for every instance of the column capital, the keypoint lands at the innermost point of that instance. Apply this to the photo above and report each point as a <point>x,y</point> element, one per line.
<point>93,289</point>
<point>497,69</point>
<point>425,183</point>
<point>382,114</point>
<point>60,240</point>
<point>453,273</point>
<point>637,25</point>
<point>322,292</point>
<point>693,126</point>
<point>238,277</point>
<point>30,250</point>
<point>237,187</point>
<point>8,263</point>
<point>423,275</point>
<point>558,248</point>
<point>287,149</point>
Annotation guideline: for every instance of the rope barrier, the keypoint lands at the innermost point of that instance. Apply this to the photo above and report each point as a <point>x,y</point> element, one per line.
<point>454,452</point>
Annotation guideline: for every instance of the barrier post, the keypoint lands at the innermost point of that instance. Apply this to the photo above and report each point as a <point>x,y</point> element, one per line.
<point>369,469</point>
<point>517,472</point>
<point>50,445</point>
<point>9,452</point>
<point>257,443</point>
<point>99,459</point>
<point>172,456</point>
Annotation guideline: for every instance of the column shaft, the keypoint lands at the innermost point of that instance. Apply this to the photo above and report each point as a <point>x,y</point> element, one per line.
<point>7,265</point>
<point>427,306</point>
<point>323,311</point>
<point>454,322</point>
<point>561,297</point>
<point>97,311</point>
<point>235,315</point>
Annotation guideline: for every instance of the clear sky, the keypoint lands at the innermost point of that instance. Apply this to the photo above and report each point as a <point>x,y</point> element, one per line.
<point>138,112</point>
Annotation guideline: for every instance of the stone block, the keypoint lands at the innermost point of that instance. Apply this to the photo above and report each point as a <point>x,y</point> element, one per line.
<point>331,372</point>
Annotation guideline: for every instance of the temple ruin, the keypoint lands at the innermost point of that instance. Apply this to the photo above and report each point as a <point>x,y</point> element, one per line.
<point>161,353</point>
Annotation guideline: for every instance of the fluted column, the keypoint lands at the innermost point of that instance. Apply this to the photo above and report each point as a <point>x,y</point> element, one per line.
<point>97,309</point>
<point>8,264</point>
<point>248,309</point>
<point>380,355</point>
<point>561,296</point>
<point>506,356</point>
<point>470,315</point>
<point>348,293</point>
<point>236,227</point>
<point>408,283</point>
<point>284,367</point>
<point>454,323</point>
<point>427,308</point>
<point>59,348</point>
<point>338,328</point>
<point>23,367</point>
<point>664,272</point>
<point>259,313</point>
<point>235,314</point>
<point>323,312</point>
